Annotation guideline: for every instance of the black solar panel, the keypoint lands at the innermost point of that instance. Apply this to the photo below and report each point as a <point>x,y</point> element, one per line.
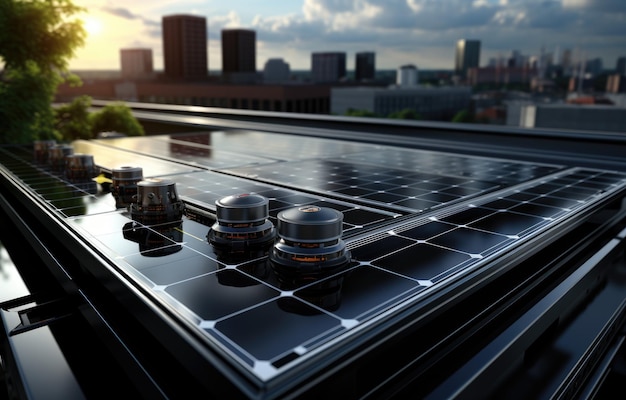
<point>413,221</point>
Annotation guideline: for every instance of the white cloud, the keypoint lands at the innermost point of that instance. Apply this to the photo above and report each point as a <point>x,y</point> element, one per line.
<point>400,31</point>
<point>415,5</point>
<point>480,3</point>
<point>231,20</point>
<point>340,14</point>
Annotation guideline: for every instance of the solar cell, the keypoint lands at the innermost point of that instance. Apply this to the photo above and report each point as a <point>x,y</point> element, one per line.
<point>412,220</point>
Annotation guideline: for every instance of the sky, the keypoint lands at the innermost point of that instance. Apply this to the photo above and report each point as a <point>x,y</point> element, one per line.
<point>418,32</point>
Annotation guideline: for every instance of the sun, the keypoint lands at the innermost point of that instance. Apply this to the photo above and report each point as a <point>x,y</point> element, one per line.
<point>92,26</point>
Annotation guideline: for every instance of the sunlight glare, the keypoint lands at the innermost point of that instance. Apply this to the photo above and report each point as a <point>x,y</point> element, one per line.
<point>92,26</point>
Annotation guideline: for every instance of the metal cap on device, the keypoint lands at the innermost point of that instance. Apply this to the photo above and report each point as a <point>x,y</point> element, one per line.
<point>80,167</point>
<point>242,208</point>
<point>124,184</point>
<point>57,154</point>
<point>41,149</point>
<point>310,224</point>
<point>156,202</point>
<point>242,221</point>
<point>310,244</point>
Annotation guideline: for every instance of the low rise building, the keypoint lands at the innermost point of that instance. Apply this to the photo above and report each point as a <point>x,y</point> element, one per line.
<point>596,117</point>
<point>302,98</point>
<point>432,103</point>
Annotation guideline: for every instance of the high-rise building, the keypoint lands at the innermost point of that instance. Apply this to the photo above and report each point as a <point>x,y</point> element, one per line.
<point>136,63</point>
<point>620,66</point>
<point>238,50</point>
<point>567,62</point>
<point>467,56</point>
<point>328,66</point>
<point>239,55</point>
<point>185,46</point>
<point>594,66</point>
<point>365,66</point>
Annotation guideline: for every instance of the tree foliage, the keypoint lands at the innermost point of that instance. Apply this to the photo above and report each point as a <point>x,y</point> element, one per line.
<point>116,117</point>
<point>407,113</point>
<point>351,112</point>
<point>73,120</point>
<point>463,116</point>
<point>37,40</point>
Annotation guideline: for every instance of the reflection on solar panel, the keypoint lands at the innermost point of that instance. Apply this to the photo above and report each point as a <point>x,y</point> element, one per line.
<point>413,221</point>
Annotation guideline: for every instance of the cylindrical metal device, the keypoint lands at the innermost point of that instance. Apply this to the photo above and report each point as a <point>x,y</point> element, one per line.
<point>242,222</point>
<point>80,167</point>
<point>40,150</point>
<point>310,244</point>
<point>57,154</point>
<point>124,184</point>
<point>156,202</point>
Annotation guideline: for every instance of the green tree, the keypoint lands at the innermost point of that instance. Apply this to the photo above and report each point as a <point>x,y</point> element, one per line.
<point>73,120</point>
<point>351,112</point>
<point>37,39</point>
<point>407,113</point>
<point>116,117</point>
<point>463,116</point>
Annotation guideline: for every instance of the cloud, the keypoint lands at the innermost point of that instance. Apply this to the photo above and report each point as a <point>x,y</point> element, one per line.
<point>418,26</point>
<point>119,12</point>
<point>405,31</point>
<point>596,5</point>
<point>422,22</point>
<point>217,23</point>
<point>127,14</point>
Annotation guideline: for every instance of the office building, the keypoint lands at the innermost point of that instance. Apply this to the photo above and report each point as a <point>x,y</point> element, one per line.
<point>276,70</point>
<point>437,104</point>
<point>594,67</point>
<point>298,98</point>
<point>500,75</point>
<point>620,66</point>
<point>238,53</point>
<point>595,117</point>
<point>365,66</point>
<point>616,83</point>
<point>407,75</point>
<point>328,66</point>
<point>136,63</point>
<point>467,56</point>
<point>185,47</point>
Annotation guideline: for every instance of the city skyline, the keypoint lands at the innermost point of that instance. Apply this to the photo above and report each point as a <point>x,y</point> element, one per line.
<point>419,32</point>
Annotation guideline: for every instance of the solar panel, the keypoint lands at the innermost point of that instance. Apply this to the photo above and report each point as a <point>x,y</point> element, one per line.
<point>413,221</point>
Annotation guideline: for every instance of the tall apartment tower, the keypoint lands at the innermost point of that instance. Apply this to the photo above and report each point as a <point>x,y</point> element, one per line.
<point>365,66</point>
<point>239,55</point>
<point>185,46</point>
<point>620,66</point>
<point>467,56</point>
<point>238,50</point>
<point>136,63</point>
<point>328,66</point>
